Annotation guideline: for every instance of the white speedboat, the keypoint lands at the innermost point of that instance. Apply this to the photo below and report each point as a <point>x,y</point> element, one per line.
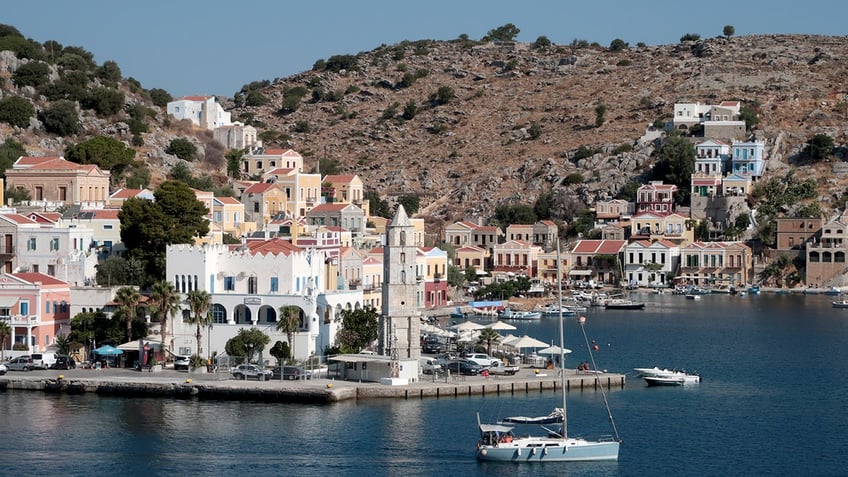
<point>655,371</point>
<point>553,311</point>
<point>679,379</point>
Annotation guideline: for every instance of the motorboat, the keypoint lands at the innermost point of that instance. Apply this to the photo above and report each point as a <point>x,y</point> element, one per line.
<point>623,304</point>
<point>692,296</point>
<point>510,314</point>
<point>655,371</point>
<point>840,304</point>
<point>553,311</point>
<point>677,379</point>
<point>499,443</point>
<point>754,289</point>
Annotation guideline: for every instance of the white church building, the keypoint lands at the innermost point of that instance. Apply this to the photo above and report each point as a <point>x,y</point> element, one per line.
<point>248,284</point>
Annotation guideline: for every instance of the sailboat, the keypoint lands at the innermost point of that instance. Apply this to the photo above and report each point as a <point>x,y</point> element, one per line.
<point>498,442</point>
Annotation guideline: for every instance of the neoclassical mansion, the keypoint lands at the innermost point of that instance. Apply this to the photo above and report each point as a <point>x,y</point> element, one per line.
<point>249,283</point>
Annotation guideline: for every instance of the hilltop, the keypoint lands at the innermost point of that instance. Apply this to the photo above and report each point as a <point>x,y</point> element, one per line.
<point>468,125</point>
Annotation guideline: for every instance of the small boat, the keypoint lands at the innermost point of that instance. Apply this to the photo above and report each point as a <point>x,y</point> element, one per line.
<point>833,291</point>
<point>623,304</point>
<point>691,296</point>
<point>840,304</point>
<point>754,289</point>
<point>510,314</point>
<point>655,371</point>
<point>553,311</point>
<point>680,379</point>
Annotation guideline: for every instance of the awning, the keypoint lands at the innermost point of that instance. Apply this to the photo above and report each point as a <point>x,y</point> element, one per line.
<point>133,345</point>
<point>584,273</point>
<point>8,301</point>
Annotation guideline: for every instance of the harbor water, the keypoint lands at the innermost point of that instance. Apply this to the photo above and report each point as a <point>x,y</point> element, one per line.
<point>772,401</point>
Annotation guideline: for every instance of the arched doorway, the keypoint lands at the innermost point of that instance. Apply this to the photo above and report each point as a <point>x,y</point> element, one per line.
<point>242,315</point>
<point>267,314</point>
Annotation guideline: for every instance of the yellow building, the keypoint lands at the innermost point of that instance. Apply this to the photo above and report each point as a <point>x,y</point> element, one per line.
<point>54,179</point>
<point>228,213</point>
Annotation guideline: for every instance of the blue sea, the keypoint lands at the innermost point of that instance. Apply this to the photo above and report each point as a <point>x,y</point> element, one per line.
<point>774,401</point>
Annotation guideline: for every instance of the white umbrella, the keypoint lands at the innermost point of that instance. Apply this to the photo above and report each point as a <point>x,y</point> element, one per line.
<point>468,326</point>
<point>500,326</point>
<point>554,349</point>
<point>526,342</point>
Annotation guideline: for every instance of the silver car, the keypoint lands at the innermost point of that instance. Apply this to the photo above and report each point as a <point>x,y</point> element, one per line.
<point>21,363</point>
<point>244,371</point>
<point>3,369</point>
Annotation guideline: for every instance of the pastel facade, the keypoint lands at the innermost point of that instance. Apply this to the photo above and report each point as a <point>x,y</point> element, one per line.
<point>612,211</point>
<point>655,197</point>
<point>748,158</point>
<point>546,266</point>
<point>54,180</point>
<point>260,160</point>
<point>347,216</point>
<point>12,228</point>
<point>600,259</point>
<point>347,189</point>
<point>514,257</point>
<point>263,201</point>
<point>826,265</point>
<point>105,230</point>
<point>203,111</point>
<point>471,256</point>
<point>432,264</point>
<point>228,213</point>
<point>652,226</point>
<point>715,264</point>
<point>36,307</point>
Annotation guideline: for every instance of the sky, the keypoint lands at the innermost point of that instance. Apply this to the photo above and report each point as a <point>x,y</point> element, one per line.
<point>214,47</point>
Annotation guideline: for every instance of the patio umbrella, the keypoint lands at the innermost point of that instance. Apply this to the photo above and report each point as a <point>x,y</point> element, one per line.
<point>526,342</point>
<point>501,326</point>
<point>554,349</point>
<point>468,326</point>
<point>107,350</point>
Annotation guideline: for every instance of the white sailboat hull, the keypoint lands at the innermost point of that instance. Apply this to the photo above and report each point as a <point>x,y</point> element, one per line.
<point>539,449</point>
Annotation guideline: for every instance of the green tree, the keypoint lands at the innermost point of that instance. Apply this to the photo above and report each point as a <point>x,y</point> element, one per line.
<point>470,274</point>
<point>281,351</point>
<point>456,278</point>
<point>675,166</point>
<point>160,97</point>
<point>820,147</point>
<point>233,157</point>
<point>378,207</point>
<point>600,111</point>
<point>109,73</point>
<point>749,114</point>
<point>34,73</point>
<point>488,337</point>
<point>182,148</point>
<point>16,111</point>
<point>410,110</point>
<point>535,130</point>
<point>147,228</point>
<point>542,42</point>
<point>728,31</point>
<point>410,202</point>
<point>107,153</point>
<point>289,323</point>
<point>544,205</point>
<point>104,101</point>
<point>249,342</point>
<point>10,151</point>
<point>506,32</point>
<point>164,303</point>
<point>61,118</point>
<point>338,63</point>
<point>128,299</point>
<point>359,329</point>
<point>618,45</point>
<point>63,343</point>
<point>690,37</point>
<point>199,303</point>
<point>514,213</point>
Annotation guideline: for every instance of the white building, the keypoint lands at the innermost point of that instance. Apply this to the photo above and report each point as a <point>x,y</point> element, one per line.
<point>651,264</point>
<point>249,284</point>
<point>57,250</point>
<point>236,135</point>
<point>203,111</point>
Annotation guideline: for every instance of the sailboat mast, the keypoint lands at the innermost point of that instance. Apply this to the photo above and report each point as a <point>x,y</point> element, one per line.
<point>561,343</point>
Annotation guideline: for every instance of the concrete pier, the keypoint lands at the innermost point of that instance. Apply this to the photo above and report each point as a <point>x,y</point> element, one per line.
<point>181,385</point>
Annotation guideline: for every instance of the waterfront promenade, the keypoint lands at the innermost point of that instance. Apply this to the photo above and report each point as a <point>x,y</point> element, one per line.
<point>170,383</point>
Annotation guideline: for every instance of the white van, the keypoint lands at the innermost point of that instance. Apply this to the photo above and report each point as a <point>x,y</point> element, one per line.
<point>43,360</point>
<point>429,365</point>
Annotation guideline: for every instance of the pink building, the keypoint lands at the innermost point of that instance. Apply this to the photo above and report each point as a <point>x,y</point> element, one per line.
<point>37,308</point>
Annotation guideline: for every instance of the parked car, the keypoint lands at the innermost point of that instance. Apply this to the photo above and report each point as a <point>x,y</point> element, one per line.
<point>291,373</point>
<point>21,363</point>
<point>482,359</point>
<point>464,367</point>
<point>244,371</point>
<point>63,362</point>
<point>429,365</point>
<point>498,367</point>
<point>433,347</point>
<point>42,360</point>
<point>181,362</point>
<point>3,369</point>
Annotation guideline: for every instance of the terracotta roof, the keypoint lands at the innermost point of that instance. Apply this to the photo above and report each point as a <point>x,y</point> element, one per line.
<point>279,171</point>
<point>33,277</point>
<point>33,160</point>
<point>334,207</point>
<point>520,226</point>
<point>106,214</point>
<point>226,200</point>
<point>259,188</point>
<point>125,193</point>
<point>599,246</point>
<point>19,219</point>
<point>470,249</point>
<point>273,247</point>
<point>194,98</point>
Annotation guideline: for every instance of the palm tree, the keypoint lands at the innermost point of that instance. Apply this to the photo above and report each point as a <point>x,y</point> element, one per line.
<point>199,303</point>
<point>488,336</point>
<point>289,323</point>
<point>128,299</point>
<point>164,303</point>
<point>5,332</point>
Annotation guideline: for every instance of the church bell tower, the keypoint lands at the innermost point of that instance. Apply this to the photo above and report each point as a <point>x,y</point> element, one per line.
<point>400,323</point>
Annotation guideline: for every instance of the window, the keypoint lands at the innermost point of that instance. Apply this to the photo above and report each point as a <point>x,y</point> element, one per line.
<point>54,244</point>
<point>51,270</point>
<point>252,285</point>
<point>275,284</point>
<point>31,244</point>
<point>229,283</point>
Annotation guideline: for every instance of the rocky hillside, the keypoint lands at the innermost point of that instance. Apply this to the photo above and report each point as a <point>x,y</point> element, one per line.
<point>468,125</point>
